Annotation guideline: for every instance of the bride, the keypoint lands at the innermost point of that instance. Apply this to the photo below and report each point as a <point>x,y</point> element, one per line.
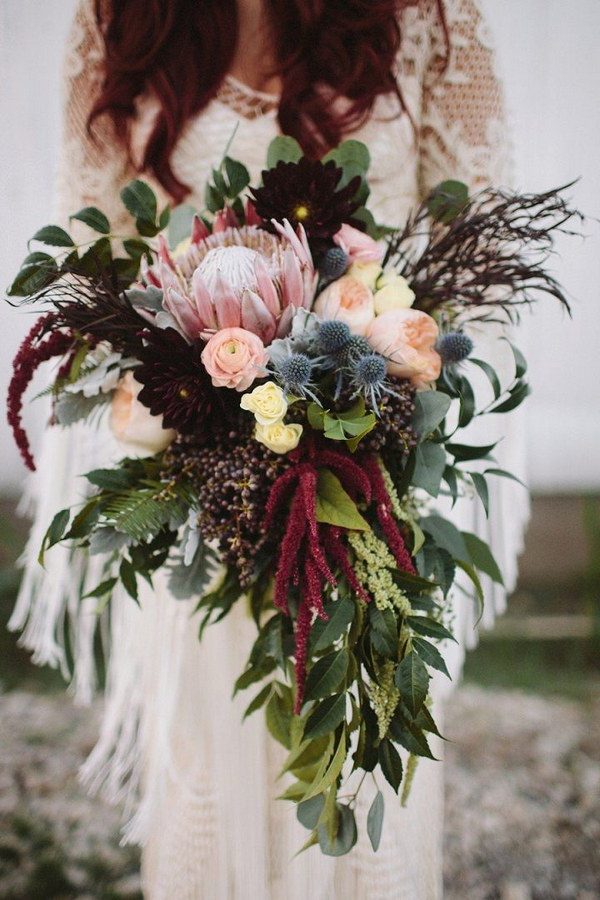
<point>160,88</point>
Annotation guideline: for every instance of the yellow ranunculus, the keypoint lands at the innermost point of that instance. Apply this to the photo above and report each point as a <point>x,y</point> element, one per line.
<point>279,438</point>
<point>267,402</point>
<point>365,272</point>
<point>393,292</point>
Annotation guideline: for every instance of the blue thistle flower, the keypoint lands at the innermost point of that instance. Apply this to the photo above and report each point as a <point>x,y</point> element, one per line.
<point>454,347</point>
<point>355,348</point>
<point>333,264</point>
<point>369,371</point>
<point>294,372</point>
<point>369,378</point>
<point>333,336</point>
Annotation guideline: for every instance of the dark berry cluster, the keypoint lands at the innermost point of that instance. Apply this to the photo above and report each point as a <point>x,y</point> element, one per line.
<point>394,432</point>
<point>232,475</point>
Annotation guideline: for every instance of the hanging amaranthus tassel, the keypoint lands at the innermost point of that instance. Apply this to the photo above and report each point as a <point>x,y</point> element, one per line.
<point>388,524</point>
<point>32,352</point>
<point>303,549</point>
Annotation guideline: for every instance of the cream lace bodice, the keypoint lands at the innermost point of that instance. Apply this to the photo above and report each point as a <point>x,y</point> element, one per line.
<point>457,114</point>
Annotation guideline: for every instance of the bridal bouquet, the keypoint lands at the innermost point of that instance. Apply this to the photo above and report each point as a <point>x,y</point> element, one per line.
<point>288,381</point>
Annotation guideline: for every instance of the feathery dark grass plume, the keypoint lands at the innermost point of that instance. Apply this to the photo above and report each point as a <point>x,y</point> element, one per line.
<point>492,255</point>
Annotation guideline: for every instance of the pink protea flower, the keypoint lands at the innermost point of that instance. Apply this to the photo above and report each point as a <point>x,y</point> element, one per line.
<point>236,277</point>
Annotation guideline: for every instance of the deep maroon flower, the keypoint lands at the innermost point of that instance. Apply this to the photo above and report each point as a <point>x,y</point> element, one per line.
<point>306,194</point>
<point>176,384</point>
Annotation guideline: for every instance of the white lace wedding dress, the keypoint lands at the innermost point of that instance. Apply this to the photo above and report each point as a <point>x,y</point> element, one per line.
<point>199,787</point>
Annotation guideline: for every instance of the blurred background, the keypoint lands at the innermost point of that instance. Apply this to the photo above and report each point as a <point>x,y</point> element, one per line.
<point>523,775</point>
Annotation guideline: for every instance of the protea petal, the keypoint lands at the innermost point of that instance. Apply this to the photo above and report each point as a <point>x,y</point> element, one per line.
<point>266,288</point>
<point>199,230</point>
<point>183,312</point>
<point>299,244</point>
<point>252,217</point>
<point>149,274</point>
<point>257,318</point>
<point>164,253</point>
<point>227,305</point>
<point>224,219</point>
<point>285,322</point>
<point>307,259</point>
<point>203,301</point>
<point>291,280</point>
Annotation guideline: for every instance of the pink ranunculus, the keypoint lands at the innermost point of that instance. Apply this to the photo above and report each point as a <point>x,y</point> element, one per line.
<point>406,338</point>
<point>234,358</point>
<point>348,300</point>
<point>133,424</point>
<point>358,245</point>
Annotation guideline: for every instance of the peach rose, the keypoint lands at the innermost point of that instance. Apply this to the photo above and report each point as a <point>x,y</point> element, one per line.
<point>358,245</point>
<point>133,424</point>
<point>406,337</point>
<point>234,357</point>
<point>348,300</point>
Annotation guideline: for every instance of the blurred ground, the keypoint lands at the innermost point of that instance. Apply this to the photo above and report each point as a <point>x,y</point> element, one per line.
<point>522,767</point>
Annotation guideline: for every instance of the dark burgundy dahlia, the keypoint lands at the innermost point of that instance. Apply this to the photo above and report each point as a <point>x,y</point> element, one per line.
<point>176,384</point>
<point>306,194</point>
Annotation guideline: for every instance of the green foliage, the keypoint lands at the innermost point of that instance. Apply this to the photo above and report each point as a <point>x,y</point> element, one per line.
<point>283,148</point>
<point>447,201</point>
<point>335,506</point>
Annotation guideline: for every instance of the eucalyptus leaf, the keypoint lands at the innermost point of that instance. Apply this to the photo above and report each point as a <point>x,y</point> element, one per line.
<point>430,462</point>
<point>447,201</point>
<point>283,148</point>
<point>346,835</point>
<point>446,535</point>
<point>309,811</point>
<point>431,408</point>
<point>375,820</point>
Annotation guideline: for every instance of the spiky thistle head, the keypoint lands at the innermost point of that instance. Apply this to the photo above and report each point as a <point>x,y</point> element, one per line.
<point>454,347</point>
<point>295,372</point>
<point>355,348</point>
<point>369,371</point>
<point>334,335</point>
<point>333,264</point>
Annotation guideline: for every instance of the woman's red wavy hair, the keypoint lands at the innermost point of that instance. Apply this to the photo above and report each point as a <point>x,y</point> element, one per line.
<point>181,50</point>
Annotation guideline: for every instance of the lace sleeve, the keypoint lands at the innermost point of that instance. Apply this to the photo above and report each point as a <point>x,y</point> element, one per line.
<point>93,166</point>
<point>463,133</point>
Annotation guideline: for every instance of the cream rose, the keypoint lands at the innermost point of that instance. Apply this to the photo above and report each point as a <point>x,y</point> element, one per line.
<point>406,338</point>
<point>365,272</point>
<point>358,245</point>
<point>132,423</point>
<point>279,438</point>
<point>267,402</point>
<point>348,300</point>
<point>234,357</point>
<point>393,292</point>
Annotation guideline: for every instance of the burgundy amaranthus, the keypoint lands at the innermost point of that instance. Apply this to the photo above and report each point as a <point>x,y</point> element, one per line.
<point>33,351</point>
<point>302,558</point>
